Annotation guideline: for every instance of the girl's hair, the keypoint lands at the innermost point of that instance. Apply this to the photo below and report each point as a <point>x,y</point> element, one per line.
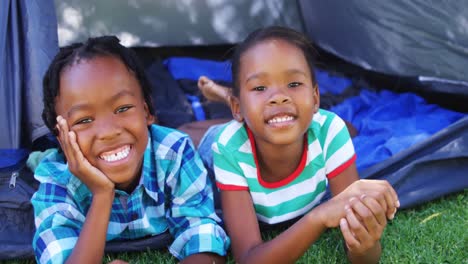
<point>92,48</point>
<point>274,32</point>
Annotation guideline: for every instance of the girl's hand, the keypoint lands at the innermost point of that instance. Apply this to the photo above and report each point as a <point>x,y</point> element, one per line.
<point>92,177</point>
<point>363,225</point>
<point>381,191</point>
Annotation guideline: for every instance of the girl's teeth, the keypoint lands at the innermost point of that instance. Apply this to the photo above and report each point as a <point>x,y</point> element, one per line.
<point>280,119</point>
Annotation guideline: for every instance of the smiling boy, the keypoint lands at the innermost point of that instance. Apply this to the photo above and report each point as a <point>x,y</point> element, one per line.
<point>117,176</point>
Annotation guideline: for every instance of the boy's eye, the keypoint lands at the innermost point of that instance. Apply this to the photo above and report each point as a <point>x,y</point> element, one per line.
<point>294,84</point>
<point>259,88</point>
<point>123,108</point>
<point>83,121</point>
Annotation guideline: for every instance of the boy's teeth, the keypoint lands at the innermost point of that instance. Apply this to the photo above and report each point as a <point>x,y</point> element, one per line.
<point>280,119</point>
<point>115,156</point>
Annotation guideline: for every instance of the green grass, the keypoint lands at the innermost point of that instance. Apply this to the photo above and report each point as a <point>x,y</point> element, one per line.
<point>435,232</point>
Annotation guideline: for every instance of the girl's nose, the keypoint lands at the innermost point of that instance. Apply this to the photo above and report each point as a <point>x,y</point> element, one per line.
<point>279,96</point>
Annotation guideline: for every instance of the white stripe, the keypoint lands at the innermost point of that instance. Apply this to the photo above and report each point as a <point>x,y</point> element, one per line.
<point>290,193</point>
<point>215,148</point>
<point>230,130</point>
<point>194,189</point>
<point>340,156</point>
<point>57,247</point>
<point>319,118</point>
<point>246,147</point>
<point>229,178</point>
<point>313,150</point>
<point>67,209</point>
<point>335,127</point>
<point>248,170</point>
<point>291,215</point>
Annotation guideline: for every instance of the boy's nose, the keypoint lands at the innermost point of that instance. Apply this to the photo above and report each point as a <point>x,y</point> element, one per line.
<point>108,129</point>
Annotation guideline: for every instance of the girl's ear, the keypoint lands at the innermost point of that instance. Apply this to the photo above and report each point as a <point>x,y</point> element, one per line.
<point>150,119</point>
<point>316,96</point>
<point>235,108</point>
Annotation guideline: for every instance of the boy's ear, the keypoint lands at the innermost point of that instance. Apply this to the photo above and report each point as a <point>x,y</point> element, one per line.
<point>235,108</point>
<point>150,119</point>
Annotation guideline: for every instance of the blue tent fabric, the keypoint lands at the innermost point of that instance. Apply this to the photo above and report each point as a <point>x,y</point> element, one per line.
<point>28,42</point>
<point>389,123</point>
<point>435,167</point>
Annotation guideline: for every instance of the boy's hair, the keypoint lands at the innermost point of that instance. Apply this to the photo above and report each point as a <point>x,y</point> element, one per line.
<point>274,32</point>
<point>92,48</point>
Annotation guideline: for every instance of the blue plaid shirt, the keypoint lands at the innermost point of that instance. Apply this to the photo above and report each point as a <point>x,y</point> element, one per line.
<point>174,193</point>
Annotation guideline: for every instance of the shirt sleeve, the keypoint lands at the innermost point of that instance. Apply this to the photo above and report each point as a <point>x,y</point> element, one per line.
<point>338,148</point>
<point>57,223</point>
<point>229,175</point>
<point>190,213</point>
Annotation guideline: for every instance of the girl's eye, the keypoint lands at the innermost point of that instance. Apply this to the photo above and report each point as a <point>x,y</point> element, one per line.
<point>83,121</point>
<point>294,84</point>
<point>123,108</point>
<point>259,88</point>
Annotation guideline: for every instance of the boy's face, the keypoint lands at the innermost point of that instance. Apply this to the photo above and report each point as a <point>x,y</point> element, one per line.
<point>277,97</point>
<point>103,104</point>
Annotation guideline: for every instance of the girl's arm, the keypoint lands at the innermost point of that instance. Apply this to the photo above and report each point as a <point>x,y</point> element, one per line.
<point>246,242</point>
<point>365,215</point>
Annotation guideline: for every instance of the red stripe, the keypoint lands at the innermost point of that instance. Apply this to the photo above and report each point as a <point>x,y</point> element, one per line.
<point>342,167</point>
<point>286,180</point>
<point>229,187</point>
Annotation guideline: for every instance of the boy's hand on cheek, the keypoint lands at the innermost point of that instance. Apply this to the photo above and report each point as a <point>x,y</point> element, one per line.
<point>92,177</point>
<point>363,225</point>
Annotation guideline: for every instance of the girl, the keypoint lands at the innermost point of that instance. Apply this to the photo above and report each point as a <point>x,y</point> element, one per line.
<point>274,161</point>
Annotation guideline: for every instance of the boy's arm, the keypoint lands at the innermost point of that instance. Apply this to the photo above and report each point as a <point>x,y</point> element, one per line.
<point>92,239</point>
<point>59,224</point>
<point>190,212</point>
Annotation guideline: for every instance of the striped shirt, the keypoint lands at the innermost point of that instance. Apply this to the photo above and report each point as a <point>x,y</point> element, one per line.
<point>328,151</point>
<point>174,193</point>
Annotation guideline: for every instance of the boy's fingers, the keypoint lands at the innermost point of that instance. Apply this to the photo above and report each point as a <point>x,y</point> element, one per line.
<point>350,240</point>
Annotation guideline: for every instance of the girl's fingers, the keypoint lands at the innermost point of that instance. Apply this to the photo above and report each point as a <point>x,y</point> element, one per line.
<point>376,209</point>
<point>368,220</point>
<point>348,236</point>
<point>357,228</point>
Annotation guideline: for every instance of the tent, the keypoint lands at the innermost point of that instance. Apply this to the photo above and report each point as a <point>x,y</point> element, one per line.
<point>416,49</point>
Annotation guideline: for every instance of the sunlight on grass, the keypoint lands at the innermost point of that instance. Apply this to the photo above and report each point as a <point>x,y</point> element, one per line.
<point>431,233</point>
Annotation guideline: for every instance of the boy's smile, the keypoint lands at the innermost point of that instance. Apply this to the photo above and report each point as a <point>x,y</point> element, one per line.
<point>103,104</point>
<point>277,96</point>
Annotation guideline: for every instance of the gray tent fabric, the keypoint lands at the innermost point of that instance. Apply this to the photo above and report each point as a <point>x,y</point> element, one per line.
<point>28,42</point>
<point>171,23</point>
<point>405,38</point>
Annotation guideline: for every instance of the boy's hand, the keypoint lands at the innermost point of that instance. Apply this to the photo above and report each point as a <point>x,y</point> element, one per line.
<point>92,177</point>
<point>363,225</point>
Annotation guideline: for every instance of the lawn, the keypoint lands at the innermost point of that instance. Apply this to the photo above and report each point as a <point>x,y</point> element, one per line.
<point>431,233</point>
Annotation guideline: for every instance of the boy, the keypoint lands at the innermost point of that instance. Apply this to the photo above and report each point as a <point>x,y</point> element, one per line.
<point>118,175</point>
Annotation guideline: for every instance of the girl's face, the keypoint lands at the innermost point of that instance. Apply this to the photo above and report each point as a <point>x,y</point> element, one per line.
<point>103,104</point>
<point>277,98</point>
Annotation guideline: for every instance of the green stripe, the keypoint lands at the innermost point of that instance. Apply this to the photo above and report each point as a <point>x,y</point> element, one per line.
<point>290,205</point>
